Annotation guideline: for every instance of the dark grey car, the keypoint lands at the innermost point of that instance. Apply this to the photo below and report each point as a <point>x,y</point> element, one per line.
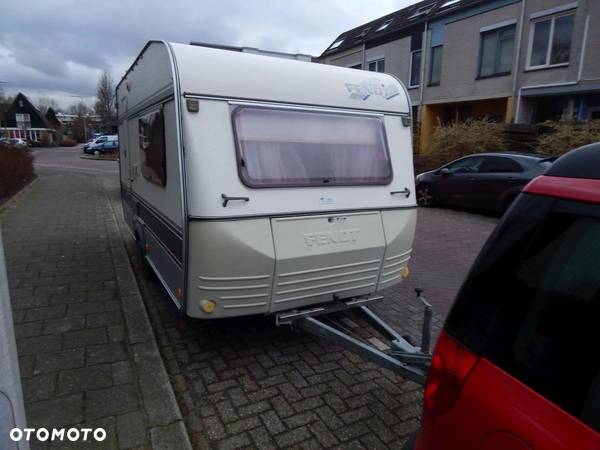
<point>489,181</point>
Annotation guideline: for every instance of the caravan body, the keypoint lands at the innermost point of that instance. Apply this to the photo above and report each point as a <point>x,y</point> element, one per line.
<point>256,184</point>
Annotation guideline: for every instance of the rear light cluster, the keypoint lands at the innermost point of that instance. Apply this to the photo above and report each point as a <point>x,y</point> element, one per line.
<point>451,365</point>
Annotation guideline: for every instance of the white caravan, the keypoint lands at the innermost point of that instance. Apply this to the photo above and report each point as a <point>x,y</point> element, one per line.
<point>260,185</point>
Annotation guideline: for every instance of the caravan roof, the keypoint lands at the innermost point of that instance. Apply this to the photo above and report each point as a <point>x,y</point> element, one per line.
<point>203,71</point>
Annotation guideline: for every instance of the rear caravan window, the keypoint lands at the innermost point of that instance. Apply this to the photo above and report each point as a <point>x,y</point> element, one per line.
<point>280,147</point>
<point>152,147</point>
<point>531,303</point>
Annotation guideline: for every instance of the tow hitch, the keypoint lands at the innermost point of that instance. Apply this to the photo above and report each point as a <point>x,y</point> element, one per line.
<point>402,356</point>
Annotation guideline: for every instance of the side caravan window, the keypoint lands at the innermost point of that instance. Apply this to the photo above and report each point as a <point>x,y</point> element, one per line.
<point>152,147</point>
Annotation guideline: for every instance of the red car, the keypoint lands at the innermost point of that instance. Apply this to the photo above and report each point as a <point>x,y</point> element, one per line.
<point>517,365</point>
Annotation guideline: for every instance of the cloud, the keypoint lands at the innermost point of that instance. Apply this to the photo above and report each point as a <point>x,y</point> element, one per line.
<point>60,48</point>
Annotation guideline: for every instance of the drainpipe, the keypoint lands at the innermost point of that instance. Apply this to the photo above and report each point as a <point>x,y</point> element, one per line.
<point>518,52</point>
<point>423,63</point>
<point>518,60</point>
<point>583,48</point>
<point>364,56</point>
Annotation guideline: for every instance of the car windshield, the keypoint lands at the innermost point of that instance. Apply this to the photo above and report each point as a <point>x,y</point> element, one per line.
<point>285,147</point>
<point>532,301</point>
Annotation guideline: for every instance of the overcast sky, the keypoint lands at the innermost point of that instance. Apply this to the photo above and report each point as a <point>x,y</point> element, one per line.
<point>59,48</point>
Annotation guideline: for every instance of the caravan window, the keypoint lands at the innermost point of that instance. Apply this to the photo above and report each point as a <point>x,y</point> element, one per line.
<point>285,147</point>
<point>152,147</point>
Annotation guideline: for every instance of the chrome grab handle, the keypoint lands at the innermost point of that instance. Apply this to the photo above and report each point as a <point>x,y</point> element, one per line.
<point>227,199</point>
<point>405,191</point>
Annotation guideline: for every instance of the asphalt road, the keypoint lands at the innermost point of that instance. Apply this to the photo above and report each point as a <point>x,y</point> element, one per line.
<point>69,158</point>
<point>248,383</point>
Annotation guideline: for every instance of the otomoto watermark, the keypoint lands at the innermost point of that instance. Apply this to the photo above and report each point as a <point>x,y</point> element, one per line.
<point>58,434</point>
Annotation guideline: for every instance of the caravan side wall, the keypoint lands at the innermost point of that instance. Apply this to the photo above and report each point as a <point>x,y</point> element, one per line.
<point>151,187</point>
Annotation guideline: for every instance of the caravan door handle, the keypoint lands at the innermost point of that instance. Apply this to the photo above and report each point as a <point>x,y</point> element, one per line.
<point>227,199</point>
<point>405,191</point>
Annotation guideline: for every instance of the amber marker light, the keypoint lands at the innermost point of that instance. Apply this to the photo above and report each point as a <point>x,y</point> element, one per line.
<point>208,306</point>
<point>405,272</point>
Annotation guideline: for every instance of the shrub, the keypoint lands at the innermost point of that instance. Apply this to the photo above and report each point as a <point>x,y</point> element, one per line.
<point>67,142</point>
<point>16,169</point>
<point>458,139</point>
<point>560,137</point>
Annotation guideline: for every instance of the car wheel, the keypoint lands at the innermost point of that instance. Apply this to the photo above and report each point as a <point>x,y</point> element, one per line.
<point>424,195</point>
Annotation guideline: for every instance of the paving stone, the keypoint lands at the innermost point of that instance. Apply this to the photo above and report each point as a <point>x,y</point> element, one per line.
<point>64,324</point>
<point>122,372</point>
<point>55,412</point>
<point>111,401</point>
<point>84,338</point>
<point>112,352</point>
<point>84,378</point>
<point>47,312</point>
<point>40,387</point>
<point>38,344</point>
<point>292,437</point>
<point>131,430</point>
<point>65,359</point>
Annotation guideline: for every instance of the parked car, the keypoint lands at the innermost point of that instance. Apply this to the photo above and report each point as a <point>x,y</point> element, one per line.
<point>15,142</point>
<point>90,142</point>
<point>489,181</point>
<point>516,366</point>
<point>107,143</point>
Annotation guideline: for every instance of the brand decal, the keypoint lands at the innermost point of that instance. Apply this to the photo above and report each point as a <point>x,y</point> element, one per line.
<point>326,200</point>
<point>372,86</point>
<point>331,237</point>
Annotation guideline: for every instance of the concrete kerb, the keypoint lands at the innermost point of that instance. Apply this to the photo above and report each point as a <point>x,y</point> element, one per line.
<point>167,429</point>
<point>12,200</point>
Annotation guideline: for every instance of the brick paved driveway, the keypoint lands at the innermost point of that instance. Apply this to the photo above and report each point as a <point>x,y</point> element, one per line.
<point>239,383</point>
<point>247,383</point>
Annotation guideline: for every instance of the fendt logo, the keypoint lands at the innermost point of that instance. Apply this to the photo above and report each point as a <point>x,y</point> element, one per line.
<point>331,237</point>
<point>370,87</point>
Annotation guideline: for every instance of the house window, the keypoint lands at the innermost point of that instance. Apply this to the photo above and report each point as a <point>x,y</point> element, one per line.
<point>152,147</point>
<point>377,66</point>
<point>336,44</point>
<point>422,11</point>
<point>550,42</point>
<point>450,3</point>
<point>415,69</point>
<point>384,25</point>
<point>435,67</point>
<point>496,52</point>
<point>356,66</point>
<point>23,121</point>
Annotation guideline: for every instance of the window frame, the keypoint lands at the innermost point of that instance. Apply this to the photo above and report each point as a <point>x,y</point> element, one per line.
<point>497,32</point>
<point>162,182</point>
<point>235,109</point>
<point>429,81</point>
<point>410,69</point>
<point>532,24</point>
<point>377,62</point>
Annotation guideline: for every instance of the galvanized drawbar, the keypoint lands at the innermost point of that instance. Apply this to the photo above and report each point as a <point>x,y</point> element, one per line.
<point>403,357</point>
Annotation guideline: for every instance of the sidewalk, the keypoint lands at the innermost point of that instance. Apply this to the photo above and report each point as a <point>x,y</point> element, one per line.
<point>88,357</point>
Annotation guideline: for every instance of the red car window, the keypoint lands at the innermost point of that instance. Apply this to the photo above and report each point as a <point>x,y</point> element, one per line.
<point>531,303</point>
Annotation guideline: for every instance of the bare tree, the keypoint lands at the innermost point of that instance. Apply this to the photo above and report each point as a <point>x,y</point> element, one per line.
<point>45,103</point>
<point>79,109</point>
<point>105,93</point>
